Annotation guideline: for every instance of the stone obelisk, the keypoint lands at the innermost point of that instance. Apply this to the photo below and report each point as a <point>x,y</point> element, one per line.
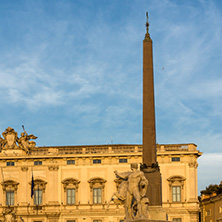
<point>150,166</point>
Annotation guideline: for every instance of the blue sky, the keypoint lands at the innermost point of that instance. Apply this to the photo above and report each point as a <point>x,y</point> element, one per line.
<point>71,72</point>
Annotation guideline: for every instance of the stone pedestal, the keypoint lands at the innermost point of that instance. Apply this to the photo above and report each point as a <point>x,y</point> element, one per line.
<point>157,213</point>
<point>154,190</point>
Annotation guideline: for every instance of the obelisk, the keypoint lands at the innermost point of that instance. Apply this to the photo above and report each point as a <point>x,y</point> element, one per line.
<point>150,166</point>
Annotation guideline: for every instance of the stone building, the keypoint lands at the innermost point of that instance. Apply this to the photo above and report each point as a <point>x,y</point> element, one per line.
<point>211,207</point>
<point>75,183</point>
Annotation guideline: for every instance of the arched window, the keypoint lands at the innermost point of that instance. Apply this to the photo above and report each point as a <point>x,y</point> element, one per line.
<point>39,191</point>
<point>10,188</point>
<point>176,189</point>
<point>97,190</point>
<point>70,186</point>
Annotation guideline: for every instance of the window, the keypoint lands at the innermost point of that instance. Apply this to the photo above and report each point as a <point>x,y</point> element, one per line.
<point>97,190</point>
<point>177,220</point>
<point>39,191</point>
<point>208,213</point>
<point>38,197</point>
<point>123,160</point>
<point>70,186</point>
<point>220,209</point>
<point>97,195</point>
<point>9,197</point>
<point>175,159</point>
<point>38,162</point>
<point>10,164</point>
<point>97,220</point>
<point>10,188</point>
<point>71,196</point>
<point>176,192</point>
<point>96,161</point>
<point>70,162</point>
<point>176,188</point>
<point>70,221</point>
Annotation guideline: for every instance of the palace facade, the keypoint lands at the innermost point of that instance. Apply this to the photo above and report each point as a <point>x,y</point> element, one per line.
<point>75,183</point>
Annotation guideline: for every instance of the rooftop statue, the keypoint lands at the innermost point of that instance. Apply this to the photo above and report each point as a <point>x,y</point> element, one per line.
<point>11,140</point>
<point>131,192</point>
<point>24,142</point>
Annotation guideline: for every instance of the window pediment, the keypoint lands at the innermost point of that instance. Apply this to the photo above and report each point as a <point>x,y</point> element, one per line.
<point>176,179</point>
<point>10,184</point>
<point>97,182</point>
<point>70,182</point>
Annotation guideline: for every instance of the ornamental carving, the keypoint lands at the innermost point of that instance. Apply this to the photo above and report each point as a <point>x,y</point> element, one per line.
<point>70,182</point>
<point>176,180</point>
<point>9,184</point>
<point>97,182</point>
<point>11,140</point>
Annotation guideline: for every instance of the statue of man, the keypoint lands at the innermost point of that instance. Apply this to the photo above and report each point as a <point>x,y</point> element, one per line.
<point>137,185</point>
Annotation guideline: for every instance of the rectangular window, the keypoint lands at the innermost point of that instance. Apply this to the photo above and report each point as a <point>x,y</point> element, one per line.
<point>10,197</point>
<point>208,213</point>
<point>97,220</point>
<point>38,197</point>
<point>10,164</point>
<point>70,162</point>
<point>71,194</point>
<point>175,159</point>
<point>97,195</point>
<point>176,192</point>
<point>38,162</point>
<point>177,220</point>
<point>95,161</point>
<point>70,221</point>
<point>123,160</point>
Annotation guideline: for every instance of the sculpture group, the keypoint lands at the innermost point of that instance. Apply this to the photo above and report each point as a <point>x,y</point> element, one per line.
<point>11,140</point>
<point>131,192</point>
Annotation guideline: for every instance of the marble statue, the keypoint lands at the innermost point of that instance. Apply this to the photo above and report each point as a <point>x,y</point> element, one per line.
<point>132,191</point>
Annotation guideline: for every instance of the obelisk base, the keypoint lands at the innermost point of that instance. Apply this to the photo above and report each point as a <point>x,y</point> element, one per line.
<point>156,214</point>
<point>154,190</point>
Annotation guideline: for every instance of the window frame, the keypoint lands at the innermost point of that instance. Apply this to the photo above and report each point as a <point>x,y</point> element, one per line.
<point>10,163</point>
<point>177,181</point>
<point>70,162</point>
<point>97,161</point>
<point>10,201</point>
<point>9,186</point>
<point>123,160</point>
<point>37,162</point>
<point>39,184</point>
<point>38,195</point>
<point>97,183</point>
<point>71,196</point>
<point>176,193</point>
<point>70,183</point>
<point>177,219</point>
<point>97,195</point>
<point>175,159</point>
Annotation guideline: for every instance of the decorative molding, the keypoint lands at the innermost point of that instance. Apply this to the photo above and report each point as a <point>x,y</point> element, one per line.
<point>10,184</point>
<point>53,167</point>
<point>193,164</point>
<point>24,168</point>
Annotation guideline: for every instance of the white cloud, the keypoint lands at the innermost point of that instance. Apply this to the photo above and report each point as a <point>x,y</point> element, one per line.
<point>209,170</point>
